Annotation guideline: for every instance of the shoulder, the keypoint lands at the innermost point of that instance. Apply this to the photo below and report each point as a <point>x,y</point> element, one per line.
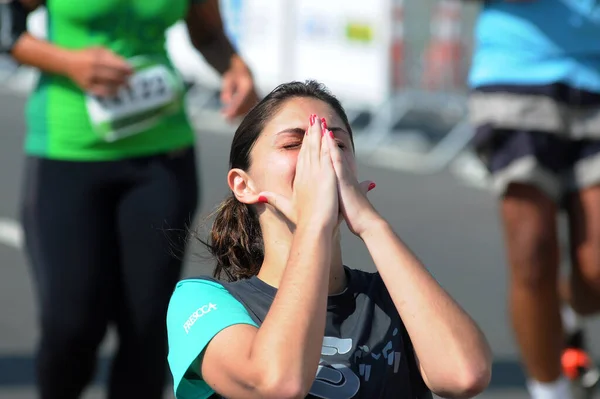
<point>194,290</point>
<point>198,310</point>
<point>204,298</point>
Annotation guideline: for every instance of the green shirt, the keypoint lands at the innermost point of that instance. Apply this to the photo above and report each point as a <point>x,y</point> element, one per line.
<point>58,121</point>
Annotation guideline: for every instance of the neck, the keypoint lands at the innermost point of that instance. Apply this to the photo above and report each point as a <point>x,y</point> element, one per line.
<point>276,257</point>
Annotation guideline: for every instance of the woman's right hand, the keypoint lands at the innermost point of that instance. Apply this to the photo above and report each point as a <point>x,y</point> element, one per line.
<point>314,200</point>
<point>98,71</point>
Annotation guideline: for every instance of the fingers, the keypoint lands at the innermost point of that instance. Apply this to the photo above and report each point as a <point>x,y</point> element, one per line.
<point>326,148</point>
<point>110,76</point>
<point>282,204</point>
<point>233,109</point>
<point>103,90</point>
<point>337,156</point>
<point>315,134</point>
<point>228,90</point>
<point>302,154</point>
<point>110,60</point>
<point>107,82</point>
<point>109,72</point>
<point>243,99</point>
<point>366,186</point>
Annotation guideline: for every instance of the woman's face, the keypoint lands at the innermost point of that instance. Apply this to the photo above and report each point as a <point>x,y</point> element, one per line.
<point>274,156</point>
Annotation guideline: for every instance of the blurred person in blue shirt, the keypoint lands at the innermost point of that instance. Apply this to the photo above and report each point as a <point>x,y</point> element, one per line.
<point>535,106</point>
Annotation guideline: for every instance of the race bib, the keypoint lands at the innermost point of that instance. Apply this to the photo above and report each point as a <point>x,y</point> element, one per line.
<point>153,92</point>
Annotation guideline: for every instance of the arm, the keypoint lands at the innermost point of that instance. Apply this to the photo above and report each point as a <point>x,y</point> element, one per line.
<point>454,357</point>
<point>32,51</point>
<point>41,54</point>
<point>207,34</point>
<point>280,359</point>
<point>96,70</point>
<point>205,28</point>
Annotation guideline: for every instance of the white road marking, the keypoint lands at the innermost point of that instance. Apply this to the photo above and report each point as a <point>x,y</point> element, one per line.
<point>11,233</point>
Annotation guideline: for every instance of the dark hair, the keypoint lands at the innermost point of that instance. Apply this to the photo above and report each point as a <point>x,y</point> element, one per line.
<point>236,238</point>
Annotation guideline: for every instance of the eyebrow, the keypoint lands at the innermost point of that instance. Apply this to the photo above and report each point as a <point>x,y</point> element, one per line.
<point>299,130</point>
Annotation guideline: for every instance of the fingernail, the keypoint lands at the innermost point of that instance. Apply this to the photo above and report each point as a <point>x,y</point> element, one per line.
<point>324,123</point>
<point>263,200</point>
<point>311,120</point>
<point>371,186</point>
<point>331,134</point>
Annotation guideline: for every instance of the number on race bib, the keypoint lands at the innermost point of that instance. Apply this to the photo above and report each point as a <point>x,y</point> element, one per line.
<point>150,95</point>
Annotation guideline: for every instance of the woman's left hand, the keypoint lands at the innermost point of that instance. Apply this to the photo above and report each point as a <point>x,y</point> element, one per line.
<point>355,208</point>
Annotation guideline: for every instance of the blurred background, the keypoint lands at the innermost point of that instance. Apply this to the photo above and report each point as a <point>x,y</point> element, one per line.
<point>400,69</point>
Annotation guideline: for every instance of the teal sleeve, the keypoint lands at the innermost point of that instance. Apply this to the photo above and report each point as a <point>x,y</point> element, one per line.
<point>198,310</point>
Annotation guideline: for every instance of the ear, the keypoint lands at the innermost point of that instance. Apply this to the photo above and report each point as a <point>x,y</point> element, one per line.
<point>242,186</point>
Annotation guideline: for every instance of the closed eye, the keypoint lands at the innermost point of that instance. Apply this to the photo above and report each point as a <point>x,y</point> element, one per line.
<point>292,146</point>
<point>295,145</point>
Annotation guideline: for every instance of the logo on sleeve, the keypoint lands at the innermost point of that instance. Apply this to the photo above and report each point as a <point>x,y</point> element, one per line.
<point>201,311</point>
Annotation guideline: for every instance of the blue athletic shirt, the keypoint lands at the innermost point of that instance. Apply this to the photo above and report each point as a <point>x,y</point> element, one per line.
<point>538,42</point>
<point>366,351</point>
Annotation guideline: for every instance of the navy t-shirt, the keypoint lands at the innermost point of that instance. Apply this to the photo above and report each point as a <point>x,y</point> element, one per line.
<point>366,351</point>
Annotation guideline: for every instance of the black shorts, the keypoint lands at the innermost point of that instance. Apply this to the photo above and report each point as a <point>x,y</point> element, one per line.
<point>547,136</point>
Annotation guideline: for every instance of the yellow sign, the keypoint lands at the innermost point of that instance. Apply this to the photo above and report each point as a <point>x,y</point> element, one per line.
<point>359,32</point>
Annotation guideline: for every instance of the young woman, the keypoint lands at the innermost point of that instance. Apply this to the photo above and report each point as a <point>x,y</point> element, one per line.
<point>292,310</point>
<point>110,166</point>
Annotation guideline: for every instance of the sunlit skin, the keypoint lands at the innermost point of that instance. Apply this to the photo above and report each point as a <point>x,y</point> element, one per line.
<point>277,148</point>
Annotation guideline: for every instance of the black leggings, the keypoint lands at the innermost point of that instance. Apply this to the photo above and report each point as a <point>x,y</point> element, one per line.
<point>105,241</point>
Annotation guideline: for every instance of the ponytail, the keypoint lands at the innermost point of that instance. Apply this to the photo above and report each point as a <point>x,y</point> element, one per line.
<point>235,241</point>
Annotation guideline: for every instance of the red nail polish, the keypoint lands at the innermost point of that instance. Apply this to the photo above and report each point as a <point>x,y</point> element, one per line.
<point>263,200</point>
<point>331,134</point>
<point>324,122</point>
<point>311,120</point>
<point>371,186</point>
